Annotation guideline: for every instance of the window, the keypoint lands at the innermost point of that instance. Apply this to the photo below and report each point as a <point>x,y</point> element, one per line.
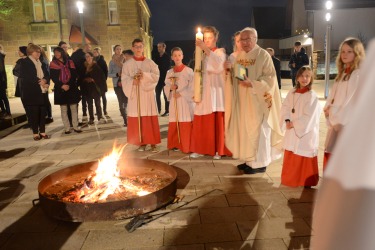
<point>112,12</point>
<point>44,11</point>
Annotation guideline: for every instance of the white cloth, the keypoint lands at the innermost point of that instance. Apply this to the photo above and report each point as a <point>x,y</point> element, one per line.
<point>184,103</point>
<point>344,213</point>
<point>342,92</point>
<point>247,115</point>
<point>303,139</point>
<point>213,84</point>
<point>146,88</point>
<point>38,67</point>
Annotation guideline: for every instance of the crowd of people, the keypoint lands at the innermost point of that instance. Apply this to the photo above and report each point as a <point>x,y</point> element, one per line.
<point>240,114</point>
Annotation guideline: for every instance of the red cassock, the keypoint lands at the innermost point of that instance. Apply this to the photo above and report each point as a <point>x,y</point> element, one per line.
<point>299,170</point>
<point>149,128</point>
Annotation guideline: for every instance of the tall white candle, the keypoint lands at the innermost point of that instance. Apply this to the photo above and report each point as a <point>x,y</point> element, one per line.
<point>197,69</point>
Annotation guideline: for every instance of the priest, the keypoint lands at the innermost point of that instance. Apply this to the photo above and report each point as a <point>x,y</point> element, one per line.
<point>253,107</point>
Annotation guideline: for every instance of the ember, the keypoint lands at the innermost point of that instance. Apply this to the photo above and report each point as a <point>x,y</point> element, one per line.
<point>109,189</point>
<point>106,184</point>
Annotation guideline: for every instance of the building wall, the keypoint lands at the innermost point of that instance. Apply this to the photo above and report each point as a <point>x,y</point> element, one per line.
<point>21,29</point>
<point>345,23</point>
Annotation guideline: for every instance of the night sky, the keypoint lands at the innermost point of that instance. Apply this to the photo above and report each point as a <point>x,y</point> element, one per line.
<point>174,20</point>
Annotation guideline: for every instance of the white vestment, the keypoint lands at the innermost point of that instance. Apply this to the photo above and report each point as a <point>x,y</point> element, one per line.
<point>341,95</point>
<point>146,88</point>
<point>253,133</point>
<point>185,102</point>
<point>213,84</point>
<point>303,139</point>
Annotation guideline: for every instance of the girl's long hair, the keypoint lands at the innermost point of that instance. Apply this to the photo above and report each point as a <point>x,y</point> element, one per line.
<point>359,52</point>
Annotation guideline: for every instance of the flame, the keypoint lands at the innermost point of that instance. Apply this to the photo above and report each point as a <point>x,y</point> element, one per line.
<point>199,30</point>
<point>106,180</point>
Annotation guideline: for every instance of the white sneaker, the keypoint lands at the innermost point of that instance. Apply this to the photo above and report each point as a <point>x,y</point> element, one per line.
<point>142,148</point>
<point>216,157</point>
<point>195,155</point>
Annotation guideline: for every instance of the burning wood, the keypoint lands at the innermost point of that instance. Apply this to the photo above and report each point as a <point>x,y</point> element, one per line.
<point>106,184</point>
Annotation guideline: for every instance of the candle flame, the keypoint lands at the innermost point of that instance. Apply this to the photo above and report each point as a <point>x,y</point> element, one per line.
<point>199,30</point>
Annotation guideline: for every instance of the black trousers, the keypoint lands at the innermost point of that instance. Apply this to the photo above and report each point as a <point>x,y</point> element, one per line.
<point>122,102</point>
<point>91,107</point>
<point>36,114</point>
<point>158,90</point>
<point>84,104</point>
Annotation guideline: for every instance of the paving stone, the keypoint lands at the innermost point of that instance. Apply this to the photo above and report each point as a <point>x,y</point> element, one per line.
<point>33,221</point>
<point>182,247</point>
<point>272,244</point>
<point>300,195</point>
<point>293,210</point>
<point>298,243</point>
<point>203,233</point>
<point>264,199</point>
<point>226,188</point>
<point>230,214</point>
<point>207,201</point>
<point>273,228</point>
<point>50,240</point>
<point>119,239</point>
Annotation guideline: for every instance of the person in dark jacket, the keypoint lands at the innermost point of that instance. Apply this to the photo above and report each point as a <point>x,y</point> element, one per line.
<point>162,59</point>
<point>99,59</point>
<point>93,83</point>
<point>79,60</point>
<point>276,64</point>
<point>298,59</point>
<point>64,75</point>
<point>4,102</point>
<point>34,83</point>
<point>16,73</point>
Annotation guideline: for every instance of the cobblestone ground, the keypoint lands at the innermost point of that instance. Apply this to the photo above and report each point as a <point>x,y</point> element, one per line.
<point>243,211</point>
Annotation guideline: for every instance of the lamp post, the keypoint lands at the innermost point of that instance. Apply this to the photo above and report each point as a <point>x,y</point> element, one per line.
<point>328,47</point>
<point>80,11</point>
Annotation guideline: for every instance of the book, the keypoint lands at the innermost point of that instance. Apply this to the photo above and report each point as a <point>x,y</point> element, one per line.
<point>240,71</point>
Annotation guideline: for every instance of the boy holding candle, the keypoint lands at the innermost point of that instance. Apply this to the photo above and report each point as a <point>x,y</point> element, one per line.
<point>139,78</point>
<point>208,125</point>
<point>179,89</point>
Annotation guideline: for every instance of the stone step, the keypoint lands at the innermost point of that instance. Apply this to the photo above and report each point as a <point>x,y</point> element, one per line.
<point>16,119</point>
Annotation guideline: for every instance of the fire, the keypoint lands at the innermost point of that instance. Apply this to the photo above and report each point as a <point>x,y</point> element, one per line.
<point>106,179</point>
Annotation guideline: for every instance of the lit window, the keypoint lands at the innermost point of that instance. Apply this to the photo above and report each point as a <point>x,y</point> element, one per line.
<point>44,10</point>
<point>49,10</point>
<point>112,12</point>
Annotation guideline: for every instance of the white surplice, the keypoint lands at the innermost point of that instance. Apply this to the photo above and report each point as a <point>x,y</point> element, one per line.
<point>303,139</point>
<point>344,211</point>
<point>146,88</point>
<point>213,84</point>
<point>253,133</point>
<point>341,95</point>
<point>184,103</point>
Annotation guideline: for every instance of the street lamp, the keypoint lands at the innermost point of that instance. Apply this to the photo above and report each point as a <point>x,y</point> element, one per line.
<point>328,47</point>
<point>80,11</point>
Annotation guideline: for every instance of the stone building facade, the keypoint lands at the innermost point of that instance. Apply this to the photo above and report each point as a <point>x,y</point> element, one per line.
<point>46,22</point>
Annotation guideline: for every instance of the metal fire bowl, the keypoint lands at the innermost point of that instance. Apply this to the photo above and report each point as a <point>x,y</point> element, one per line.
<point>113,210</point>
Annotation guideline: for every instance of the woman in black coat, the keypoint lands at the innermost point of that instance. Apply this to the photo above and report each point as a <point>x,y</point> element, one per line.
<point>66,93</point>
<point>99,59</point>
<point>94,81</point>
<point>33,80</point>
